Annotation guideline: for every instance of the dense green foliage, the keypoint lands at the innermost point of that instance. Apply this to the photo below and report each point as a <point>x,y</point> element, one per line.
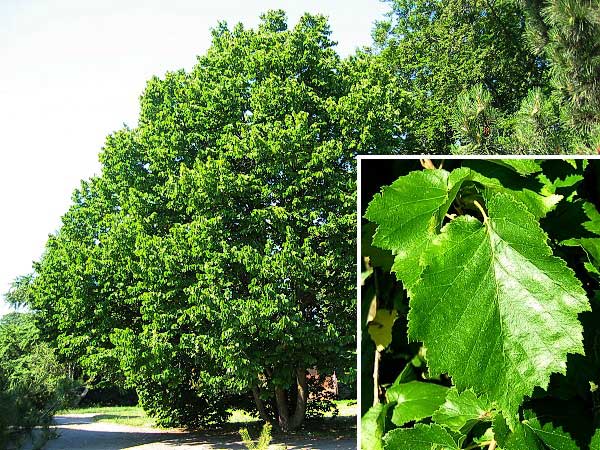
<point>490,271</point>
<point>213,255</point>
<point>499,76</point>
<point>33,384</point>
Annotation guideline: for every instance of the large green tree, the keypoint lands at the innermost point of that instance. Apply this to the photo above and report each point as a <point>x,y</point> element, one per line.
<point>214,254</point>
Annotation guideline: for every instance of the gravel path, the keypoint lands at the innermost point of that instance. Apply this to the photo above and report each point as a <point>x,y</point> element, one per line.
<point>79,431</point>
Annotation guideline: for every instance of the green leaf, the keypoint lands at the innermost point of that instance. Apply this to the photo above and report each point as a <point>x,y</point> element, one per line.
<point>531,435</point>
<point>568,181</point>
<point>494,308</point>
<point>408,374</point>
<point>421,437</point>
<point>572,162</point>
<point>537,204</point>
<point>409,213</point>
<point>415,400</point>
<point>462,410</point>
<point>595,444</point>
<point>590,245</point>
<point>553,438</point>
<point>519,439</point>
<point>377,256</point>
<point>594,223</point>
<point>521,166</point>
<point>372,427</point>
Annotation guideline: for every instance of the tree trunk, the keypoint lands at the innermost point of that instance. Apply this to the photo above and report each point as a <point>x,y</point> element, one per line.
<point>282,408</point>
<point>287,423</point>
<point>260,405</point>
<point>301,399</point>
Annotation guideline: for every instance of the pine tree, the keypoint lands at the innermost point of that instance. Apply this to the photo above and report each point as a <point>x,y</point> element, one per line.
<point>537,127</point>
<point>474,122</point>
<point>540,98</point>
<point>567,34</point>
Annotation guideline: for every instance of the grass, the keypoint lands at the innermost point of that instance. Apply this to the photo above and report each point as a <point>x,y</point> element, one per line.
<point>347,408</point>
<point>342,425</point>
<point>124,415</point>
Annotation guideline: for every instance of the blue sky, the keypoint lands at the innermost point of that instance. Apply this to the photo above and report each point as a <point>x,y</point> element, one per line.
<point>72,72</point>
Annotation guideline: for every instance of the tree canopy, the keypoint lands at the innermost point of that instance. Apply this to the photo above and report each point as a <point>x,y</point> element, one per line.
<point>213,256</point>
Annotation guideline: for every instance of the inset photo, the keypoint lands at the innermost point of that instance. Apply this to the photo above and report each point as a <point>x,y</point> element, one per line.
<point>479,303</point>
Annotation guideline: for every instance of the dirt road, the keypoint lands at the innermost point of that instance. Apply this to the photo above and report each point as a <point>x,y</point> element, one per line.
<point>81,432</point>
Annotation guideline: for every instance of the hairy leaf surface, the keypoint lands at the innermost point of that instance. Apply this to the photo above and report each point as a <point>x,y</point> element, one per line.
<point>494,308</point>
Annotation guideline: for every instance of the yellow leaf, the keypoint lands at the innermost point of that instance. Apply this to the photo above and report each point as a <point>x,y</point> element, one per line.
<point>380,329</point>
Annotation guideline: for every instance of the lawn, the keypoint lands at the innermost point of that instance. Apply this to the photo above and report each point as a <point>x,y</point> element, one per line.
<point>136,417</point>
<point>125,415</point>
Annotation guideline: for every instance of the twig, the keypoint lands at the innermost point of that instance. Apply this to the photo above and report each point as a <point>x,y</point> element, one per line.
<point>377,354</point>
<point>376,378</point>
<point>427,164</point>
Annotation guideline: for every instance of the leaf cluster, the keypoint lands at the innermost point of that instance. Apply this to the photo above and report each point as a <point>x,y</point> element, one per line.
<point>490,268</point>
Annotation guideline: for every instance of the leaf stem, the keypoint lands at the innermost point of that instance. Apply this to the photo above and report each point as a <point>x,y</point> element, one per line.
<point>485,217</point>
<point>492,445</point>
